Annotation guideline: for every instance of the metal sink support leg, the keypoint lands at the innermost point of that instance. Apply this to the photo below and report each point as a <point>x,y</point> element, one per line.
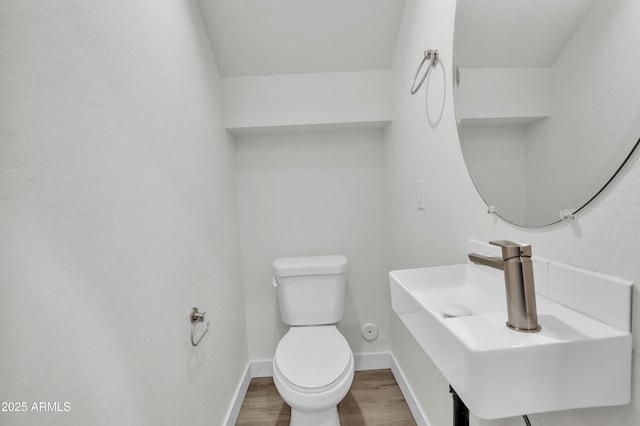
<point>460,411</point>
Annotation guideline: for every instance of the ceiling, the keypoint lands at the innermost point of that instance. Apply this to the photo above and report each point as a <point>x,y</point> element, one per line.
<point>268,37</point>
<point>515,33</point>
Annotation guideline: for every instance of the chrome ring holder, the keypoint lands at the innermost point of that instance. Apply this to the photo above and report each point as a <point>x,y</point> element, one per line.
<point>197,317</point>
<point>432,57</point>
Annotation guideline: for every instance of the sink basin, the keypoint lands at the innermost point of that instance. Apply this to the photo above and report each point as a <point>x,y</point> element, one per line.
<point>575,361</point>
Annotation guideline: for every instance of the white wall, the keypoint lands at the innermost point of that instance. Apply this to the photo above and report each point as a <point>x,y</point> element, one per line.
<point>314,192</point>
<point>419,147</point>
<point>604,238</point>
<point>117,215</point>
<point>306,99</point>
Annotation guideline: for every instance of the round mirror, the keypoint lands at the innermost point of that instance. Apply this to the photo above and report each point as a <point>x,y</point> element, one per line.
<point>546,102</point>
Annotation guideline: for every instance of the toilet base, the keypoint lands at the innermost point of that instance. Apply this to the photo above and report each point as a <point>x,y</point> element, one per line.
<point>328,417</point>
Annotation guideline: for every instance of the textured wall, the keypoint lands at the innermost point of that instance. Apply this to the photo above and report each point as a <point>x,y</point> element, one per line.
<point>306,99</point>
<point>309,193</point>
<point>604,238</point>
<point>117,215</point>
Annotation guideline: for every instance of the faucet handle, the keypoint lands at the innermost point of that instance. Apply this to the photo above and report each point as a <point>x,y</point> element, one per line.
<point>511,249</point>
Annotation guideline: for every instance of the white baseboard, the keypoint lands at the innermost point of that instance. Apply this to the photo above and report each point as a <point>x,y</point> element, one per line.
<point>363,362</point>
<point>261,368</point>
<point>241,391</point>
<point>419,415</point>
<point>372,361</point>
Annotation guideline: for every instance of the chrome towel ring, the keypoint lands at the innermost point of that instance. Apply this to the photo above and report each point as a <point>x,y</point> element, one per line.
<point>197,317</point>
<point>432,57</point>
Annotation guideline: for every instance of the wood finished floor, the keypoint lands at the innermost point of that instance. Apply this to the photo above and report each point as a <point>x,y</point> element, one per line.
<point>373,400</point>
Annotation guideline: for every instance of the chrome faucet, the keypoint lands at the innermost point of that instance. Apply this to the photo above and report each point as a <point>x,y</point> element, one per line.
<point>518,277</point>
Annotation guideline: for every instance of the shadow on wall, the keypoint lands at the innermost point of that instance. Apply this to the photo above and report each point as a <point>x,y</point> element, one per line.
<point>436,95</point>
<point>350,323</point>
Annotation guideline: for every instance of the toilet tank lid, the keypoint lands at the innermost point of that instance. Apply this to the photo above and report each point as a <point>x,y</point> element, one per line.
<point>309,265</point>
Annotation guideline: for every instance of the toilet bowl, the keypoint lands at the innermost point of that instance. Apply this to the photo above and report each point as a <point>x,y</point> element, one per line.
<point>313,370</point>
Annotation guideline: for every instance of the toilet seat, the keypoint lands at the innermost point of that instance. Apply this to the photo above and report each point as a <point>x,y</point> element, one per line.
<point>312,359</point>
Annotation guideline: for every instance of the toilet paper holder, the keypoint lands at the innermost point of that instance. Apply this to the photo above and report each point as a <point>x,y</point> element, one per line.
<point>197,317</point>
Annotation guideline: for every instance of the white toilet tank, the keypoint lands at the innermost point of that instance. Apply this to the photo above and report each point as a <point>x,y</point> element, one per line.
<point>310,289</point>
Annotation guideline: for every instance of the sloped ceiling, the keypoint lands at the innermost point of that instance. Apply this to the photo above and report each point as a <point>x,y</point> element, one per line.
<point>515,33</point>
<point>268,37</point>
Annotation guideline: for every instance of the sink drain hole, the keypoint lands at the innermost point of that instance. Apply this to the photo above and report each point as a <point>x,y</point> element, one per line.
<point>453,311</point>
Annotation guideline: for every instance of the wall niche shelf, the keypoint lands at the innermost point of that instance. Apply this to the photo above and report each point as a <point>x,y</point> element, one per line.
<point>309,127</point>
<point>500,121</point>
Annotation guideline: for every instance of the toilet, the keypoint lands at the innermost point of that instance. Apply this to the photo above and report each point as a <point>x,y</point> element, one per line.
<point>313,364</point>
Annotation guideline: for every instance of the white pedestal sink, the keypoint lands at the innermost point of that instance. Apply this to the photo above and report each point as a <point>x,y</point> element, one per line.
<point>575,361</point>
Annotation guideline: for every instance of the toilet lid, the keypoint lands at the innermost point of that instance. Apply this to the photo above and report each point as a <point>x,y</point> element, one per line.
<point>313,357</point>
